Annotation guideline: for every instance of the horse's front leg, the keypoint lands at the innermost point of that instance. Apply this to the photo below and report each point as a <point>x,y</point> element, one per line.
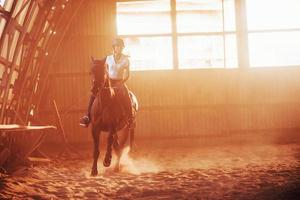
<point>108,155</point>
<point>95,133</point>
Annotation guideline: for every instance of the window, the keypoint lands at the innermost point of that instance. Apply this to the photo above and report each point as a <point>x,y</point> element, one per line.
<point>149,52</point>
<point>207,51</point>
<point>143,17</point>
<point>204,36</point>
<point>273,32</point>
<point>146,29</point>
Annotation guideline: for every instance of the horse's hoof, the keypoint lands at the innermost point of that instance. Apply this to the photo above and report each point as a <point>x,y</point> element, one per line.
<point>94,172</point>
<point>107,161</point>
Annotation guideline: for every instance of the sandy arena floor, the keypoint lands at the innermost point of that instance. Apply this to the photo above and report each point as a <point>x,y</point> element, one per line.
<point>239,172</point>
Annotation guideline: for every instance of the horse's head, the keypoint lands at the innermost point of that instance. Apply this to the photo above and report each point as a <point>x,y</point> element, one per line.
<point>100,77</point>
<point>99,71</point>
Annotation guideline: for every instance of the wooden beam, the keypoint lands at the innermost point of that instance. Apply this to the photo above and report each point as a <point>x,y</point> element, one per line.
<point>178,34</point>
<point>59,123</point>
<point>16,127</point>
<point>174,34</point>
<point>242,34</point>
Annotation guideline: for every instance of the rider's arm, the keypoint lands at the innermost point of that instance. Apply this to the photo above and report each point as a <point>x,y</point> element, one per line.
<point>126,68</point>
<point>108,84</point>
<point>127,74</point>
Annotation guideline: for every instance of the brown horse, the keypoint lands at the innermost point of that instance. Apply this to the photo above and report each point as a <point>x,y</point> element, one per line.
<point>107,115</point>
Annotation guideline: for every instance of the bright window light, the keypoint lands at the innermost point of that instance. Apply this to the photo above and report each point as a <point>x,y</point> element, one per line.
<point>273,14</point>
<point>207,51</point>
<point>143,17</point>
<point>149,52</point>
<point>274,32</point>
<point>274,49</point>
<point>205,16</point>
<point>146,28</point>
<point>208,20</point>
<point>204,33</point>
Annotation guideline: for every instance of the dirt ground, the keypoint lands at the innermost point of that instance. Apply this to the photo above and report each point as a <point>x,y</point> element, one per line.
<point>157,172</point>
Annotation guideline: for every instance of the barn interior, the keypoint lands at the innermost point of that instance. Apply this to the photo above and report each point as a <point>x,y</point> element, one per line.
<point>217,84</point>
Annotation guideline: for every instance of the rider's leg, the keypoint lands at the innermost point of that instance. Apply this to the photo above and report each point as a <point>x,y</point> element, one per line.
<point>91,101</point>
<point>127,105</point>
<point>85,120</point>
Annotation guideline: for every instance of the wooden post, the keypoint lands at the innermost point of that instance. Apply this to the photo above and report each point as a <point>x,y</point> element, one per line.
<point>174,34</point>
<point>59,123</point>
<point>67,149</point>
<point>242,33</point>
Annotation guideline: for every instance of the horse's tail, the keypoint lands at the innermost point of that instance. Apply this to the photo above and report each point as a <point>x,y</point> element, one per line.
<point>131,137</point>
<point>133,125</point>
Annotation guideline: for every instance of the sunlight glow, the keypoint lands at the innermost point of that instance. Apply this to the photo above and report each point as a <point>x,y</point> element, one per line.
<point>205,38</point>
<point>204,16</point>
<point>139,17</point>
<point>273,14</point>
<point>207,51</point>
<point>276,44</point>
<point>149,52</point>
<point>274,49</point>
<point>146,28</point>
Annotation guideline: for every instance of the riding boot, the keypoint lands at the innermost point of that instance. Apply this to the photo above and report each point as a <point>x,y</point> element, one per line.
<point>85,120</point>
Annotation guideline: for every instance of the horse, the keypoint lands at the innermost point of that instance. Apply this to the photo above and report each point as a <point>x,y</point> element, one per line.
<point>107,116</point>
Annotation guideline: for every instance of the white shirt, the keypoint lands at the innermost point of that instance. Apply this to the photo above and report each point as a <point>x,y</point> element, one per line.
<point>116,69</point>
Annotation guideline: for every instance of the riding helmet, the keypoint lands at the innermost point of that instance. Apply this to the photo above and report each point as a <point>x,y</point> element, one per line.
<point>118,42</point>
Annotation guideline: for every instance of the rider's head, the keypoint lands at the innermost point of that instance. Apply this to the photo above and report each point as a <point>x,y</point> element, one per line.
<point>118,45</point>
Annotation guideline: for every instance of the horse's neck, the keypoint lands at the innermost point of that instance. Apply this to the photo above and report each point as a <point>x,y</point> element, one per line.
<point>106,98</point>
<point>108,102</point>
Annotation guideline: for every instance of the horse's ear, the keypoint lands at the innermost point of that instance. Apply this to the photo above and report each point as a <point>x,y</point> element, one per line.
<point>92,58</point>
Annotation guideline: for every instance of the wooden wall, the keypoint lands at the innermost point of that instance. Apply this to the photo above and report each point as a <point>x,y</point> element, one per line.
<point>193,103</point>
<point>217,102</point>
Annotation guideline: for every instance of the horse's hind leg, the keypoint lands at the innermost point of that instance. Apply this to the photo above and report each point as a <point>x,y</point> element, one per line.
<point>118,150</point>
<point>119,147</point>
<point>95,133</point>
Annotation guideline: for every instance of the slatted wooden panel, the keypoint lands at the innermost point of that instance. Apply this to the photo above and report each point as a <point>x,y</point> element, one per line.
<point>217,102</point>
<point>197,103</point>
